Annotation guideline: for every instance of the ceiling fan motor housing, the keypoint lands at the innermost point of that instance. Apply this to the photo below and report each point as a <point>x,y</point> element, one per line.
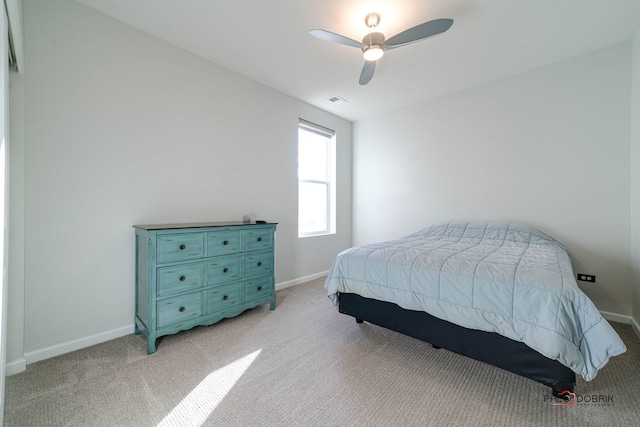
<point>372,39</point>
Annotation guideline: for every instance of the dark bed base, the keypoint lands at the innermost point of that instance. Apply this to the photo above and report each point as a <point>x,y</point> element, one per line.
<point>486,347</point>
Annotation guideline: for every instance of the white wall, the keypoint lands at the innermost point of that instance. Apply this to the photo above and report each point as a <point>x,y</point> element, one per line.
<point>549,147</point>
<point>635,178</point>
<point>122,128</point>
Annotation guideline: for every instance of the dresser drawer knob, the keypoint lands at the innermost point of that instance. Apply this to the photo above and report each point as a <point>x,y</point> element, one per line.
<point>260,264</point>
<point>181,309</point>
<point>225,297</point>
<point>259,288</point>
<point>226,242</point>
<point>182,247</point>
<point>225,270</point>
<point>182,278</point>
<point>259,239</point>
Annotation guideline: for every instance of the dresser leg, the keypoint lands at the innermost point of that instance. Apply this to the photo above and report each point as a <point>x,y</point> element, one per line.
<point>273,303</point>
<point>138,331</point>
<point>151,345</point>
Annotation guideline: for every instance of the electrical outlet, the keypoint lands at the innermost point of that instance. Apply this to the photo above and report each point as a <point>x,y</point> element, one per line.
<point>586,278</point>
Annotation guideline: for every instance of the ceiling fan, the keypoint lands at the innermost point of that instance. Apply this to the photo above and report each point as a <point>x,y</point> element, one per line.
<point>374,45</point>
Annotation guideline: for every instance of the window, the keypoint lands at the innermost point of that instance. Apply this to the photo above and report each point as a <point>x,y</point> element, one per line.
<point>316,180</point>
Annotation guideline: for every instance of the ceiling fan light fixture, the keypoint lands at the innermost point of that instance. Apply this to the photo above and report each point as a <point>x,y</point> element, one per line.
<point>372,46</point>
<point>373,53</point>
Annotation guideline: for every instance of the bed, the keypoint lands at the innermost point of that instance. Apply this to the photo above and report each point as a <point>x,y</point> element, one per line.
<point>502,293</point>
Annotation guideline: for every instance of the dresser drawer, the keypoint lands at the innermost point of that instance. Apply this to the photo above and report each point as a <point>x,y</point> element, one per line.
<point>224,296</point>
<point>179,309</point>
<point>180,278</point>
<point>258,288</point>
<point>224,242</point>
<point>180,247</point>
<point>258,239</point>
<point>257,264</point>
<point>224,269</point>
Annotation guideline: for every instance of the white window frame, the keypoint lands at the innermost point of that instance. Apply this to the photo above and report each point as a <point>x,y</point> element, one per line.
<point>330,213</point>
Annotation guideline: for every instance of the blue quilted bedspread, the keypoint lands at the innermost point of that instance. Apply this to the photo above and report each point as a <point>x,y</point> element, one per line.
<point>498,277</point>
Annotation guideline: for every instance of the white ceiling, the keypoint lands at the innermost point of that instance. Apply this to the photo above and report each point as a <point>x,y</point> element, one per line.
<point>268,41</point>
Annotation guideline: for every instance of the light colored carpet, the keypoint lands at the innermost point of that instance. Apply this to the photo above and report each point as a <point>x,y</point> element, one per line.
<point>303,364</point>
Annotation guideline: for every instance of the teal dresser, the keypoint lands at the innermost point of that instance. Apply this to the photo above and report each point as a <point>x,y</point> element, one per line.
<point>198,274</point>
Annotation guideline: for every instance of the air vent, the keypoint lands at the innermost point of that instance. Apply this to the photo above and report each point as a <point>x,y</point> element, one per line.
<point>337,100</point>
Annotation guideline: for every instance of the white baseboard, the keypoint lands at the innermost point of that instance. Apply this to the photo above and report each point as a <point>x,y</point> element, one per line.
<point>636,326</point>
<point>615,317</point>
<point>57,350</point>
<point>35,356</point>
<point>301,280</point>
<point>621,318</point>
<point>15,367</point>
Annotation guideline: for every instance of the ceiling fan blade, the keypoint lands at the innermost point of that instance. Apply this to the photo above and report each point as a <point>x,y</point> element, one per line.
<point>419,32</point>
<point>336,38</point>
<point>367,72</point>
